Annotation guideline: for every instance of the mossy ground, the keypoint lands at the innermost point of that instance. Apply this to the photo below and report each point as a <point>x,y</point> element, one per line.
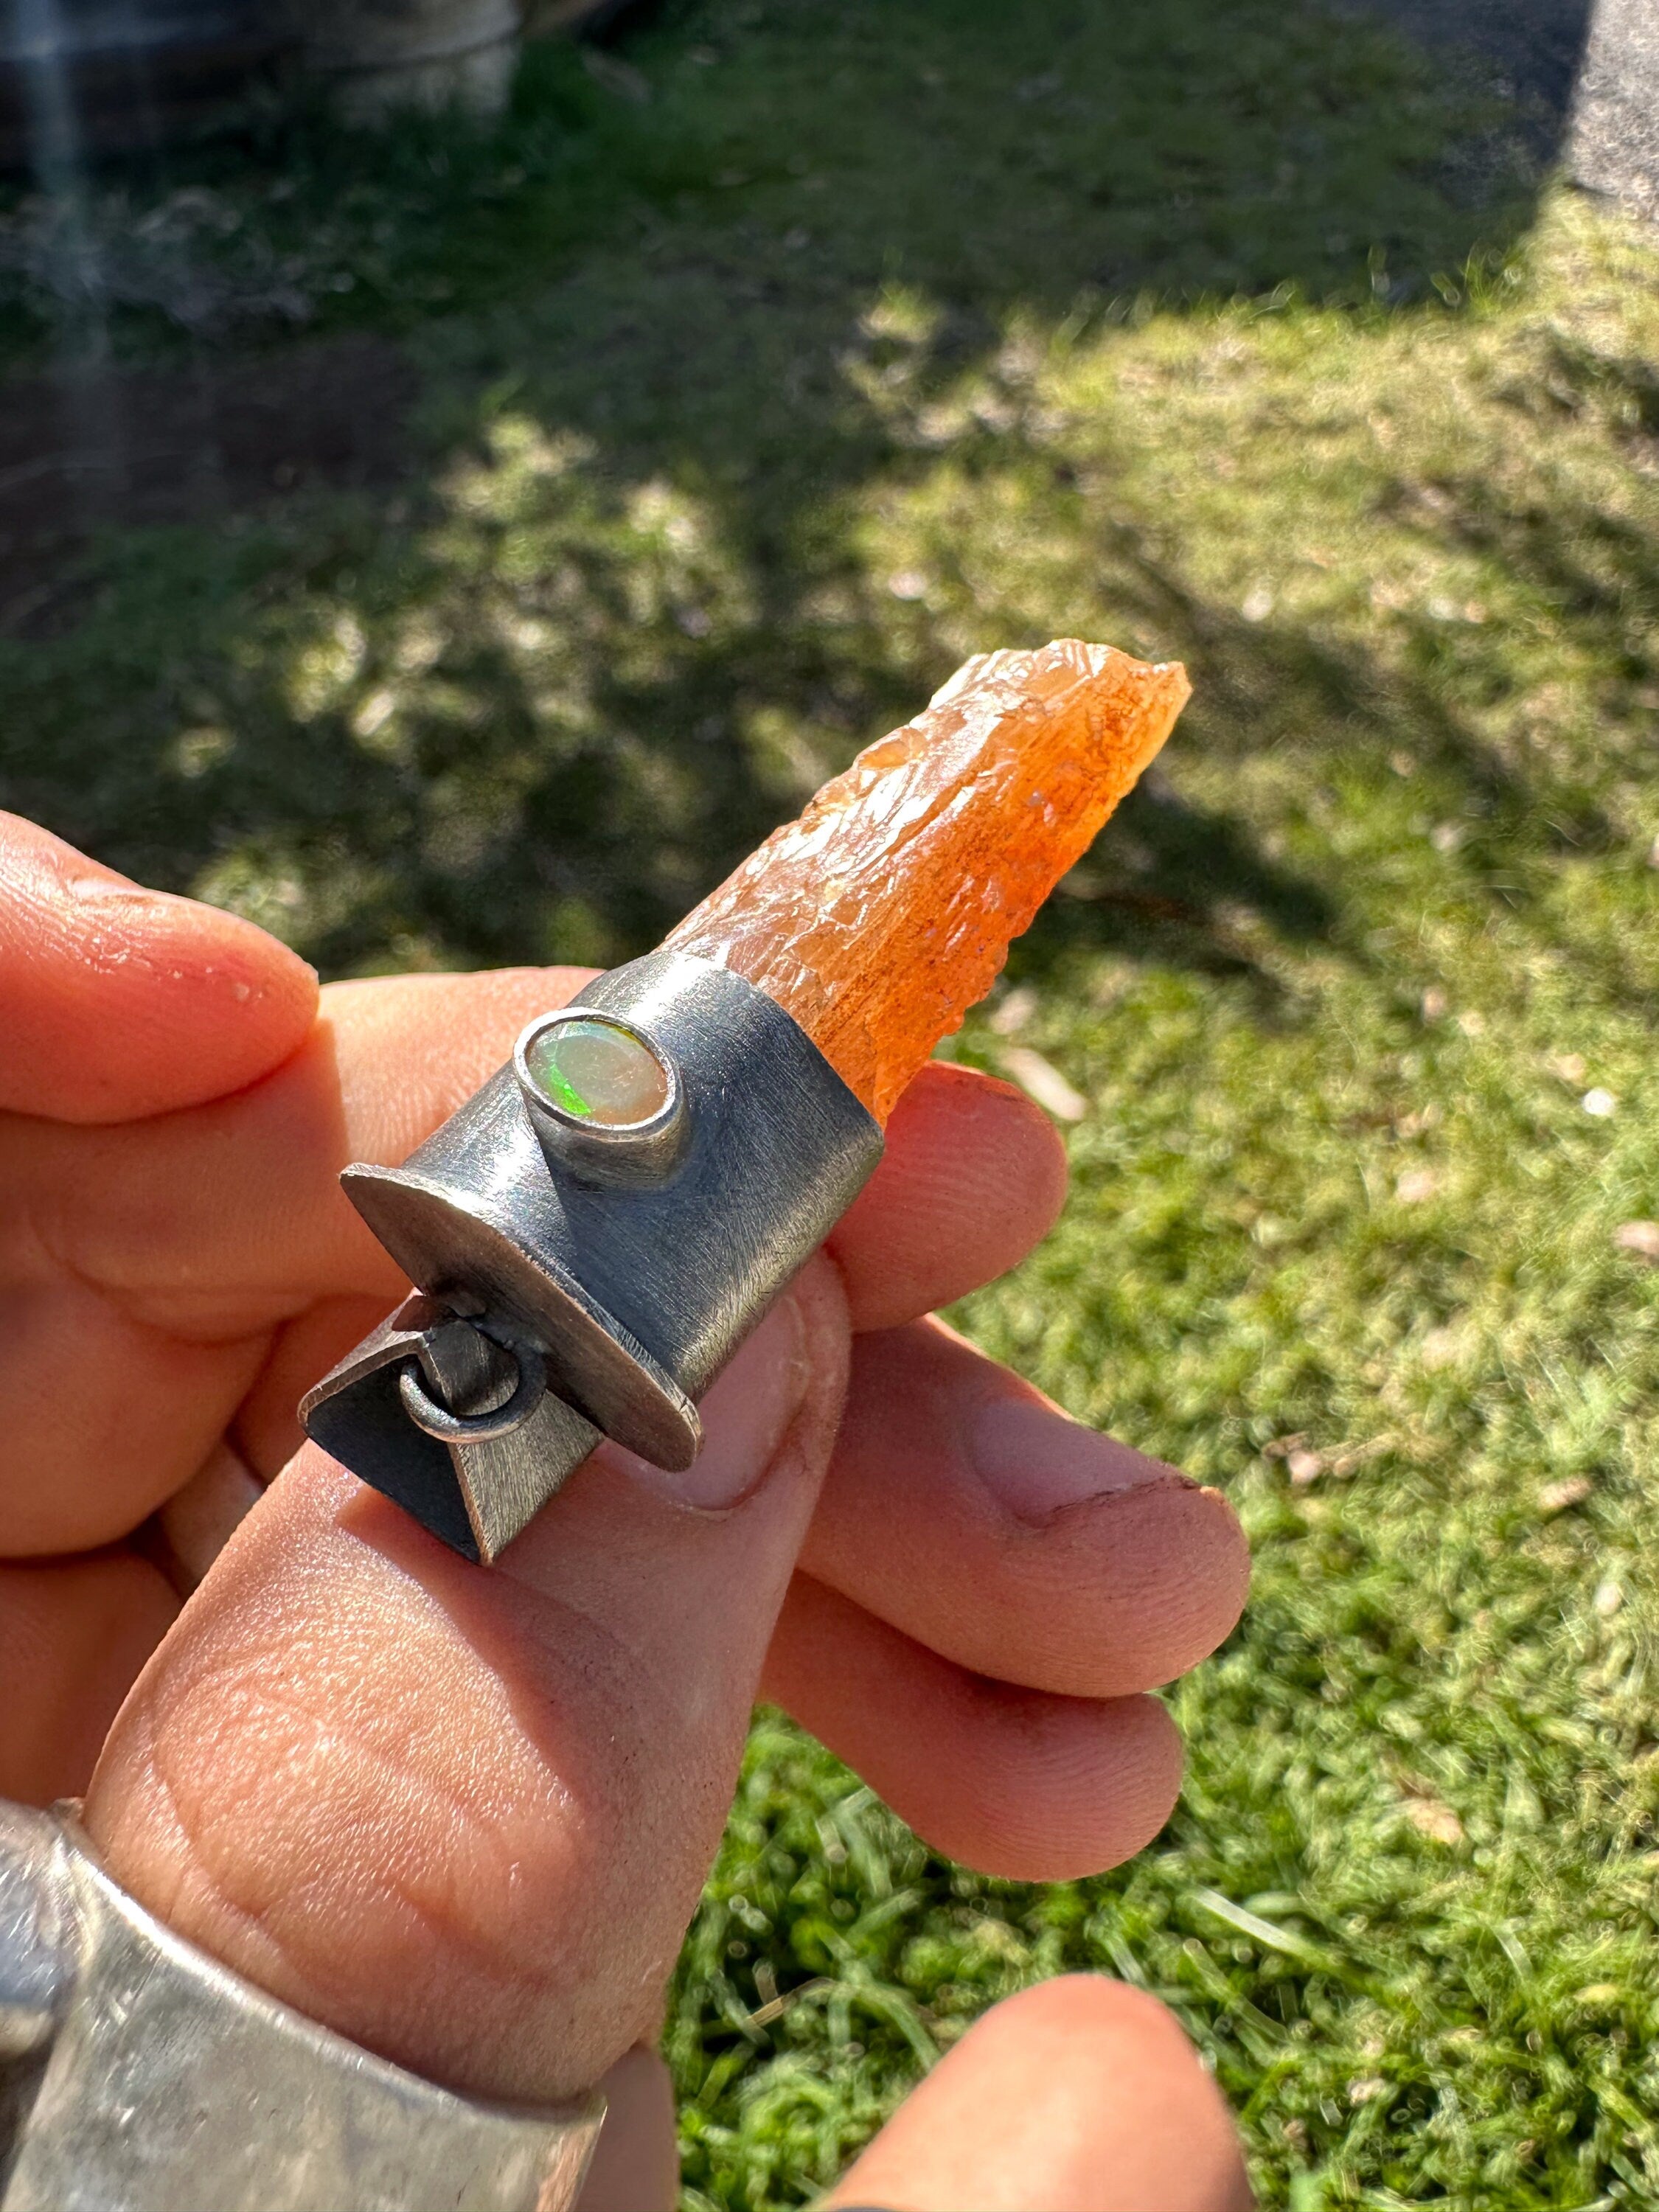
<point>770,363</point>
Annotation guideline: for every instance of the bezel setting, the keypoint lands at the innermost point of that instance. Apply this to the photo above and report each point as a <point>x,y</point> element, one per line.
<point>580,1138</point>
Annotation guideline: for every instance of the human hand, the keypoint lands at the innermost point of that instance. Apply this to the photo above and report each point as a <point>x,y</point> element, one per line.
<point>464,1816</point>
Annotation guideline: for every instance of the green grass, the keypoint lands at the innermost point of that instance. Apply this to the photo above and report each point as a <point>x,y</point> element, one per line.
<point>887,331</point>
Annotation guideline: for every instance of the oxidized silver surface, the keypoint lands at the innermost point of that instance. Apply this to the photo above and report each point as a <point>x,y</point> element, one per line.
<point>631,1271</point>
<point>475,1491</point>
<point>137,2075</point>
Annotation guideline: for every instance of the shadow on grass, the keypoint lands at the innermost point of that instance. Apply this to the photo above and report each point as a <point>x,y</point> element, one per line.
<point>699,304</point>
<point>1534,47</point>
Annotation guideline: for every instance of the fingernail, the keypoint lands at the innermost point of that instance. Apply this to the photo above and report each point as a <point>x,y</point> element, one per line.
<point>80,876</point>
<point>110,887</point>
<point>1035,1461</point>
<point>746,1413</point>
<point>197,1521</point>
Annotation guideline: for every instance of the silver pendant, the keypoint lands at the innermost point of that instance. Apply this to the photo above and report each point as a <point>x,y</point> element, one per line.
<point>592,1235</point>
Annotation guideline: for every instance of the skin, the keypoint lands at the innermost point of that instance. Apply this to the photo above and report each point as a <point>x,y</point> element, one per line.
<point>463,1815</point>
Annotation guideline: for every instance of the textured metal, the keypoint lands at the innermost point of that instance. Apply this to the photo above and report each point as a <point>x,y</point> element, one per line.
<point>154,2079</point>
<point>475,1495</point>
<point>635,1285</point>
<point>446,1353</point>
<point>37,1959</point>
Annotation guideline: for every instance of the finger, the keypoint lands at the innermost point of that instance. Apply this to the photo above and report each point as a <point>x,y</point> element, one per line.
<point>463,1815</point>
<point>1079,2095</point>
<point>119,1001</point>
<point>168,1261</point>
<point>1014,1782</point>
<point>972,1178</point>
<point>197,1521</point>
<point>148,1272</point>
<point>636,2164</point>
<point>231,1215</point>
<point>73,1636</point>
<point>965,1508</point>
<point>120,1411</point>
<point>267,1430</point>
<point>224,1219</point>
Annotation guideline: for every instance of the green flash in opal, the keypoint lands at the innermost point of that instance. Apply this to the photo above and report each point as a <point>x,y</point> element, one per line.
<point>596,1071</point>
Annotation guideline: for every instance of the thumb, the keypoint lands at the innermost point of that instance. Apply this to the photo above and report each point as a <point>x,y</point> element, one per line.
<point>463,1815</point>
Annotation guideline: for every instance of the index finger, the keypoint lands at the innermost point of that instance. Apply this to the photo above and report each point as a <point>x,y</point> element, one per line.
<point>120,1002</point>
<point>190,1257</point>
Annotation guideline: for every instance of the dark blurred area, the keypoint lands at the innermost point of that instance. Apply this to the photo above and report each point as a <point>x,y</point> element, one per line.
<point>1534,46</point>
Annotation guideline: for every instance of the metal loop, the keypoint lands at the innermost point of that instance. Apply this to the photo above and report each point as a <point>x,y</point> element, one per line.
<point>476,1428</point>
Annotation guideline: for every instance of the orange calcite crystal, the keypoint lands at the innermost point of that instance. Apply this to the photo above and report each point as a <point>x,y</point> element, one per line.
<point>882,914</point>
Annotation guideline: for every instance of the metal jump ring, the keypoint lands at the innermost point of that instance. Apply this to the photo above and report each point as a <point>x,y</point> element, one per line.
<point>476,1428</point>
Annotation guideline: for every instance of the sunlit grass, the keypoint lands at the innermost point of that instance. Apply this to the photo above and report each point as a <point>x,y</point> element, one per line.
<point>1342,991</point>
<point>882,334</point>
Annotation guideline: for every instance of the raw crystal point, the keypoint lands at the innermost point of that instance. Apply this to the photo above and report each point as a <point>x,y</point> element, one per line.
<point>882,914</point>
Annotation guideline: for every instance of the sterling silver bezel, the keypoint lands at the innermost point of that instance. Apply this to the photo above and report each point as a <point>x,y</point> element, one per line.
<point>656,1139</point>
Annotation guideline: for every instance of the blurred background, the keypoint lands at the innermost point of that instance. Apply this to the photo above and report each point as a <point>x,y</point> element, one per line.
<point>457,492</point>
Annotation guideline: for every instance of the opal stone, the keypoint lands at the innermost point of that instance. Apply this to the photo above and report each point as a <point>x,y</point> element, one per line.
<point>596,1071</point>
<point>887,910</point>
